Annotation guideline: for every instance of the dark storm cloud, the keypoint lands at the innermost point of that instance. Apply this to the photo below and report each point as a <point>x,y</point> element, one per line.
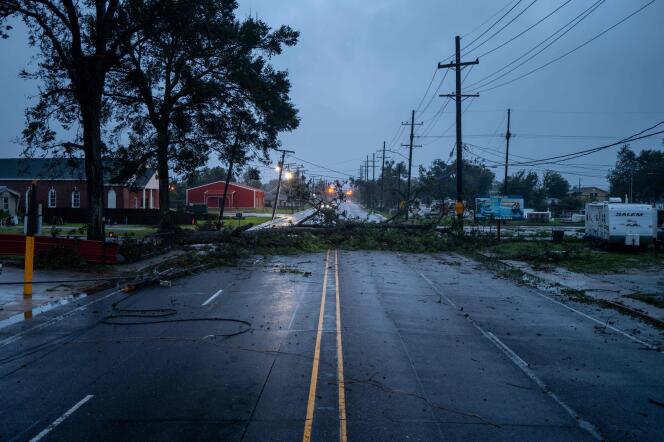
<point>361,66</point>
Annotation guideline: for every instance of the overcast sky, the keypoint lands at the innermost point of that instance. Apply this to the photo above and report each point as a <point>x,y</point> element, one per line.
<point>360,67</point>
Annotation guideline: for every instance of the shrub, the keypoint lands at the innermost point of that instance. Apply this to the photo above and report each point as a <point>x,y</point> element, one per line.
<point>59,257</point>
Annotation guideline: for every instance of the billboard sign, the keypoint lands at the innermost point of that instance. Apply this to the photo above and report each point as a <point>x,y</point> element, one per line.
<point>499,207</point>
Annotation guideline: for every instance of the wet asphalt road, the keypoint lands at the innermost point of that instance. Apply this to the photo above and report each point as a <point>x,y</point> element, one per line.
<point>417,347</point>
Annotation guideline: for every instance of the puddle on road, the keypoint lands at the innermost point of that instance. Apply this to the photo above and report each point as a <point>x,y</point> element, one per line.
<point>27,315</point>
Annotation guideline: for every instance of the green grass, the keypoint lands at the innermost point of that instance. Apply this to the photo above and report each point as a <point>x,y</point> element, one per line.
<point>578,256</point>
<point>255,220</point>
<point>653,299</point>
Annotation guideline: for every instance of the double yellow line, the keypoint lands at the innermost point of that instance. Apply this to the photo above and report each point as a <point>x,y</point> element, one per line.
<point>311,403</point>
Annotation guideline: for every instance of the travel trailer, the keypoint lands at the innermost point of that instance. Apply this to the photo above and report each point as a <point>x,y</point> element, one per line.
<point>614,222</point>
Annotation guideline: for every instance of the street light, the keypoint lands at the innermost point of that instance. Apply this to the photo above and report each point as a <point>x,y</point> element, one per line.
<point>289,175</point>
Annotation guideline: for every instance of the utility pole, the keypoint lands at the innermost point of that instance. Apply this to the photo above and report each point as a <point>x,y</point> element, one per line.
<point>382,180</point>
<point>281,171</point>
<point>398,186</point>
<point>508,135</point>
<point>366,180</point>
<point>410,155</point>
<point>373,180</point>
<point>458,96</point>
<point>32,226</point>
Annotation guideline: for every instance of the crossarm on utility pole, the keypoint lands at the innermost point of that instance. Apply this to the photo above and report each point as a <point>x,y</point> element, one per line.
<point>458,96</point>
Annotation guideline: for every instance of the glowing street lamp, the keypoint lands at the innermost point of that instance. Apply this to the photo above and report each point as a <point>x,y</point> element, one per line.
<point>289,175</point>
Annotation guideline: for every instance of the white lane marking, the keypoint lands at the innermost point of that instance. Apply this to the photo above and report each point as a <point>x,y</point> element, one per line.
<point>515,357</point>
<point>524,367</point>
<point>602,323</point>
<point>211,298</point>
<point>18,336</point>
<point>61,419</point>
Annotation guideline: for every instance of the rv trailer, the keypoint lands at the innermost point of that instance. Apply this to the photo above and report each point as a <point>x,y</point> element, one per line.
<point>615,222</point>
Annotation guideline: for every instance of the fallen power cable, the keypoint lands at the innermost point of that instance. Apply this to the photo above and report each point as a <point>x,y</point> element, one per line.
<point>162,315</point>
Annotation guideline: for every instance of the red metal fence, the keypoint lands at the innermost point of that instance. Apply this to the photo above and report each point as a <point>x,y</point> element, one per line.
<point>149,217</point>
<point>92,251</point>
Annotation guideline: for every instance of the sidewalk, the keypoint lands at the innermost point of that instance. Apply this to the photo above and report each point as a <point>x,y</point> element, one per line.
<point>47,295</point>
<point>614,288</point>
<point>12,301</point>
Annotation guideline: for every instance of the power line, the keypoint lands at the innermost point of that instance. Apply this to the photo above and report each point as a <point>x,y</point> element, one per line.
<point>321,167</point>
<point>488,19</point>
<point>433,77</point>
<point>573,50</point>
<point>567,27</point>
<point>494,24</point>
<point>435,94</point>
<point>499,154</point>
<point>496,164</point>
<point>637,136</point>
<point>501,29</point>
<point>524,31</point>
<point>439,114</point>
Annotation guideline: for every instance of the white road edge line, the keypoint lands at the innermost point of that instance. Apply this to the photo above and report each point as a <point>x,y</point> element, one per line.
<point>61,419</point>
<point>211,298</point>
<point>524,367</point>
<point>18,336</point>
<point>604,324</point>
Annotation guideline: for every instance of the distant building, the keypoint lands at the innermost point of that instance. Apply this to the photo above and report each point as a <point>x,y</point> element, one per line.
<point>590,194</point>
<point>61,183</point>
<point>271,195</point>
<point>239,196</point>
<point>9,200</point>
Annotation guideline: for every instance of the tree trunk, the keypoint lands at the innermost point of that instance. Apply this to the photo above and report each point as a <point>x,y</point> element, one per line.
<point>94,170</point>
<point>229,174</point>
<point>166,224</point>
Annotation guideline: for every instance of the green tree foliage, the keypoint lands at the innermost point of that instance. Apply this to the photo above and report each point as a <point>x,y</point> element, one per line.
<point>525,183</point>
<point>201,81</point>
<point>252,177</point>
<point>439,181</point>
<point>79,42</point>
<point>554,184</point>
<point>643,174</point>
<point>393,182</point>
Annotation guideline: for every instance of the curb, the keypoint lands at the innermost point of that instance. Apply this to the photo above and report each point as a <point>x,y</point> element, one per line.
<point>611,304</point>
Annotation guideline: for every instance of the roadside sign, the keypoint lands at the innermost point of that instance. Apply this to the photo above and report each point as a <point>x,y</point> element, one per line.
<point>499,207</point>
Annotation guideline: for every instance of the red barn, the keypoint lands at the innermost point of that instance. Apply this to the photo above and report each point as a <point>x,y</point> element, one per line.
<point>239,196</point>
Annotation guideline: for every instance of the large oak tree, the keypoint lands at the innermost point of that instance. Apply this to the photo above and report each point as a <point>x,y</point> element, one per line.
<point>79,42</point>
<point>198,83</point>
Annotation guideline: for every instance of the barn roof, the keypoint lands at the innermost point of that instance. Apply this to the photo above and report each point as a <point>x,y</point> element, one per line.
<point>242,186</point>
<point>57,169</point>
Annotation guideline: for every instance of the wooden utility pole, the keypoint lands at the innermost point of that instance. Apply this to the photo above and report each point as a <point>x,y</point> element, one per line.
<point>382,180</point>
<point>373,180</point>
<point>508,135</point>
<point>366,180</point>
<point>281,170</point>
<point>410,155</point>
<point>458,96</point>
<point>398,186</point>
<point>32,225</point>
